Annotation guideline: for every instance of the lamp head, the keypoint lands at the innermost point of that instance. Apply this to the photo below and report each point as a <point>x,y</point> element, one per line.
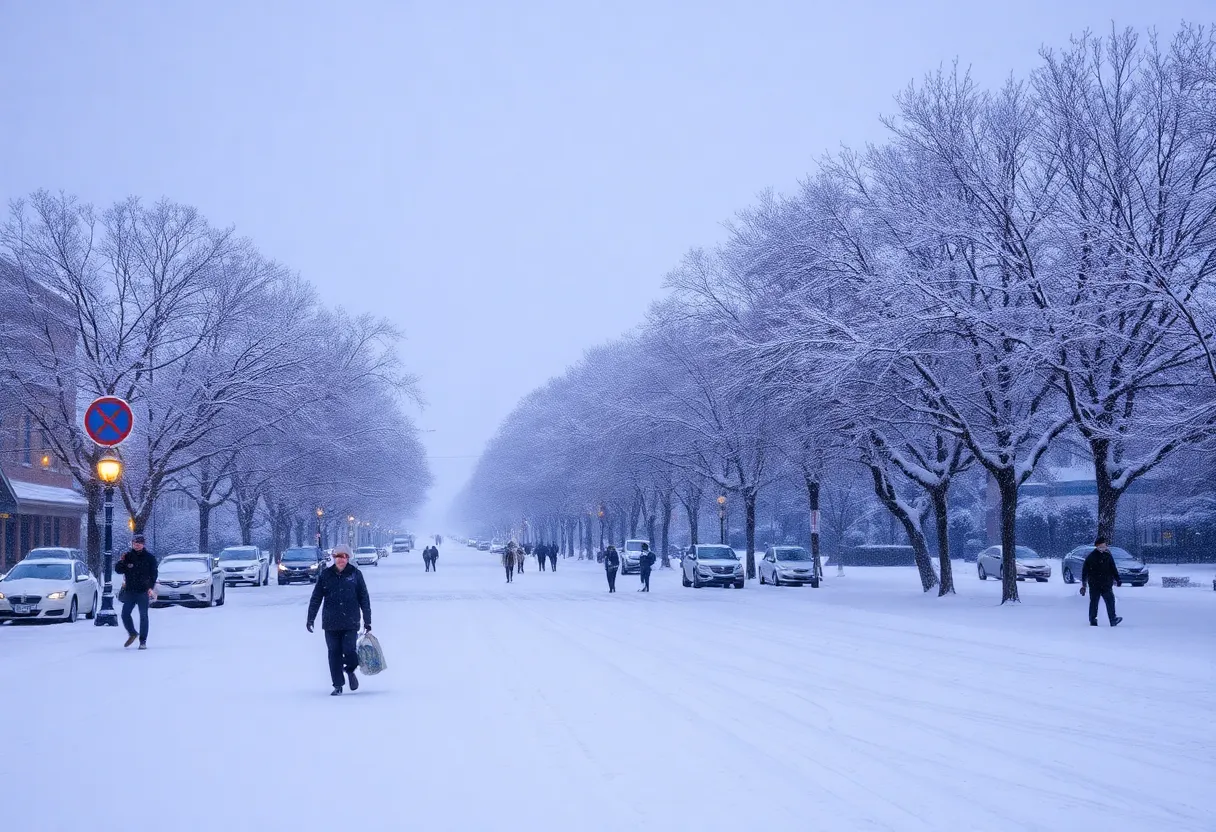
<point>109,469</point>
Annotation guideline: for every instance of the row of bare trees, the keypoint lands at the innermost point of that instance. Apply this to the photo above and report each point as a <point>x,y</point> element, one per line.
<point>245,388</point>
<point>1011,269</point>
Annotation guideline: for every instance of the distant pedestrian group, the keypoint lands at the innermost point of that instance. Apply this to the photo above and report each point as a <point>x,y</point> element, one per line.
<point>429,556</point>
<point>546,551</point>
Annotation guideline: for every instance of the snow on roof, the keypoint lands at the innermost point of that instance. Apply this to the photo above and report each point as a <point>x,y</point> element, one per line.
<point>33,493</point>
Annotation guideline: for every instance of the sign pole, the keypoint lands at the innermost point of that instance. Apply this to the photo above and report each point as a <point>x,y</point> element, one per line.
<point>108,421</point>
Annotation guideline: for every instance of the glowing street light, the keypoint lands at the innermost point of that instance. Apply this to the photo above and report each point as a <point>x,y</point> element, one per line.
<point>109,471</point>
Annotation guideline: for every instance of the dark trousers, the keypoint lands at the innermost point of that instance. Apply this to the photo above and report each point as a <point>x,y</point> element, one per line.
<point>509,565</point>
<point>1107,594</point>
<point>342,654</point>
<point>553,561</point>
<point>541,560</point>
<point>430,563</point>
<point>611,573</point>
<point>646,580</point>
<point>129,601</point>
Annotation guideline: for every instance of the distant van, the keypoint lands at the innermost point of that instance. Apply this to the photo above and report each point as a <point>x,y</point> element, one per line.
<point>401,544</point>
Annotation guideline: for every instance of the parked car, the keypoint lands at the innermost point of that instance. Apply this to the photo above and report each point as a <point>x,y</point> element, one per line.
<point>215,559</point>
<point>382,551</point>
<point>244,565</point>
<point>496,548</point>
<point>55,589</point>
<point>196,581</point>
<point>302,563</point>
<point>711,565</point>
<point>787,565</point>
<point>484,546</point>
<point>401,544</point>
<point>631,556</point>
<point>366,556</point>
<point>56,553</point>
<point>1132,570</point>
<point>1029,565</point>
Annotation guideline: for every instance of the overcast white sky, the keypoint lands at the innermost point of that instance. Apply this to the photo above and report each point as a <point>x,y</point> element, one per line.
<point>508,181</point>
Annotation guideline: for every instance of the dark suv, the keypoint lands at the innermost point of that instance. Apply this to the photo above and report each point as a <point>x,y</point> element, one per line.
<point>302,563</point>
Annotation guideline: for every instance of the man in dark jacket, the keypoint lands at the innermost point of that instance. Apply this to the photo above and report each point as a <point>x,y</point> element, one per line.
<point>646,561</point>
<point>139,571</point>
<point>344,592</point>
<point>541,551</point>
<point>553,556</point>
<point>1098,573</point>
<point>611,561</point>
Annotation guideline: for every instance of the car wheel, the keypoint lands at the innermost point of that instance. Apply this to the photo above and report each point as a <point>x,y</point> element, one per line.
<point>983,574</point>
<point>266,580</point>
<point>1068,578</point>
<point>762,581</point>
<point>696,582</point>
<point>72,611</point>
<point>739,584</point>
<point>684,577</point>
<point>776,579</point>
<point>92,613</point>
<point>814,583</point>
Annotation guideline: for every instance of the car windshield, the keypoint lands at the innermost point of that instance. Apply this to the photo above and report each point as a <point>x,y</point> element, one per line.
<point>1123,554</point>
<point>300,554</point>
<point>239,553</point>
<point>1023,553</point>
<point>366,550</point>
<point>184,567</point>
<point>41,571</point>
<point>51,552</point>
<point>716,553</point>
<point>633,546</point>
<point>791,553</point>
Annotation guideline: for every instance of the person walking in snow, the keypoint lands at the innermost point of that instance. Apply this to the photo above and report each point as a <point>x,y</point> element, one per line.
<point>1099,573</point>
<point>540,552</point>
<point>344,593</point>
<point>139,571</point>
<point>611,562</point>
<point>520,554</point>
<point>553,557</point>
<point>508,561</point>
<point>646,561</point>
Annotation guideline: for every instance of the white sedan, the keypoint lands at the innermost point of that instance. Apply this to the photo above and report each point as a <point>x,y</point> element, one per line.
<point>245,564</point>
<point>194,581</point>
<point>48,590</point>
<point>1029,565</point>
<point>367,556</point>
<point>788,565</point>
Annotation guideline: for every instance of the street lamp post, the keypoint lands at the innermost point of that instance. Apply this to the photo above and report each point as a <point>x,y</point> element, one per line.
<point>722,519</point>
<point>320,514</point>
<point>109,471</point>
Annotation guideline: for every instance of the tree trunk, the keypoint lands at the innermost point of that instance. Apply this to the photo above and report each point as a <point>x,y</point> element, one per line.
<point>749,521</point>
<point>812,497</point>
<point>634,508</point>
<point>885,491</point>
<point>204,525</point>
<point>1108,495</point>
<point>665,507</point>
<point>1007,483</point>
<point>940,514</point>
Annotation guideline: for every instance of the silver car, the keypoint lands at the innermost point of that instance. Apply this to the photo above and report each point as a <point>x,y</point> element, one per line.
<point>188,581</point>
<point>366,556</point>
<point>787,565</point>
<point>48,590</point>
<point>1029,565</point>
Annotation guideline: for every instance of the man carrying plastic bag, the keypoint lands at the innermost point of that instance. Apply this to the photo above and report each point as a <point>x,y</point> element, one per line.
<point>344,593</point>
<point>371,657</point>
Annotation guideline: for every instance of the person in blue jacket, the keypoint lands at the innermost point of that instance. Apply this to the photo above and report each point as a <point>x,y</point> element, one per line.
<point>344,593</point>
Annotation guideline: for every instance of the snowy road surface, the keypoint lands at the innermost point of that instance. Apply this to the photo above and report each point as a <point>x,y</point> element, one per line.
<point>551,705</point>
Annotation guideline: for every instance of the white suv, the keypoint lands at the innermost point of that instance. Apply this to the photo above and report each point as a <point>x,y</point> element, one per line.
<point>631,556</point>
<point>711,565</point>
<point>245,565</point>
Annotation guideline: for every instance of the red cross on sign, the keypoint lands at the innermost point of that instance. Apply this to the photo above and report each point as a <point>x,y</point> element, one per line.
<point>108,421</point>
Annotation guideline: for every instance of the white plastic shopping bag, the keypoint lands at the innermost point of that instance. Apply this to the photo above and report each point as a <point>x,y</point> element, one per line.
<point>371,657</point>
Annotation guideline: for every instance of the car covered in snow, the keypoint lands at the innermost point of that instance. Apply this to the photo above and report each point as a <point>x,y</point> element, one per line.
<point>631,556</point>
<point>1029,565</point>
<point>401,544</point>
<point>366,556</point>
<point>300,564</point>
<point>189,581</point>
<point>787,565</point>
<point>496,547</point>
<point>1132,570</point>
<point>52,589</point>
<point>245,565</point>
<point>55,553</point>
<point>711,565</point>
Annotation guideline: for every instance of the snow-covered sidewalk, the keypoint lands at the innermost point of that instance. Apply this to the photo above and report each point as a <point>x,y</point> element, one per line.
<point>550,705</point>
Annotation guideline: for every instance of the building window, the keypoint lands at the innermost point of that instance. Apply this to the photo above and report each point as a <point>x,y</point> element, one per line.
<point>57,540</point>
<point>29,436</point>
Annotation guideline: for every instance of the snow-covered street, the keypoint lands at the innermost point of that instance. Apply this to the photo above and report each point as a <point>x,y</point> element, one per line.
<point>550,705</point>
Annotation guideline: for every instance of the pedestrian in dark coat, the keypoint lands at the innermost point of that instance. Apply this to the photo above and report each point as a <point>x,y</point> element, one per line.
<point>611,562</point>
<point>508,561</point>
<point>1099,573</point>
<point>646,561</point>
<point>139,570</point>
<point>553,556</point>
<point>541,552</point>
<point>344,593</point>
<point>434,558</point>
